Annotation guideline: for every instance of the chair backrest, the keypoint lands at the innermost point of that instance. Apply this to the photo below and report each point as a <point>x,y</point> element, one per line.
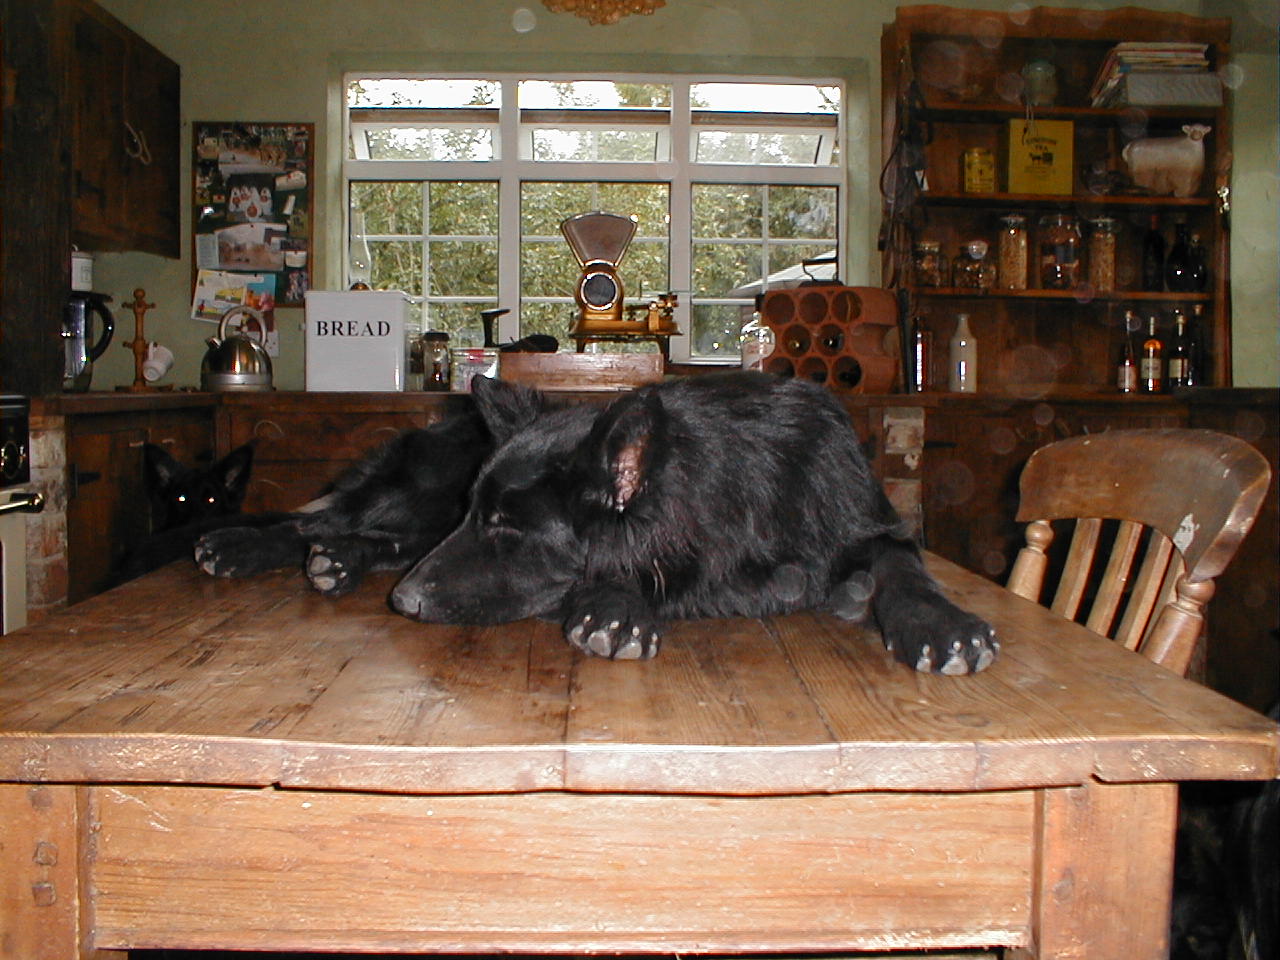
<point>1157,515</point>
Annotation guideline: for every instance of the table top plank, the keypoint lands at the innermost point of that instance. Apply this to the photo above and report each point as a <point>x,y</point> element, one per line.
<point>182,678</point>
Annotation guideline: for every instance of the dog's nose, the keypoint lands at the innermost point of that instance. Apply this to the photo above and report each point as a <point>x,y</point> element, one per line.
<point>407,603</point>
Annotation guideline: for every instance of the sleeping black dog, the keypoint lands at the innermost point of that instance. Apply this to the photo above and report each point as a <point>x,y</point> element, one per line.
<point>709,496</point>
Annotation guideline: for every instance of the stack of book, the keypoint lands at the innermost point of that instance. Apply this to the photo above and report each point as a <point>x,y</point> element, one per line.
<point>1156,73</point>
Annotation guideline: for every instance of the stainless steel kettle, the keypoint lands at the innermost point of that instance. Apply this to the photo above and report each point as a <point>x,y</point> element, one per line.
<point>78,345</point>
<point>237,362</point>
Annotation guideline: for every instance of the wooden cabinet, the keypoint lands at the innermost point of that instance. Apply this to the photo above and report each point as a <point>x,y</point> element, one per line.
<point>953,81</point>
<point>124,98</point>
<point>108,511</point>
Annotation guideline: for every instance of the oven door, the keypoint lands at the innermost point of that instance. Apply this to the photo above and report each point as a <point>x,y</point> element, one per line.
<point>14,507</point>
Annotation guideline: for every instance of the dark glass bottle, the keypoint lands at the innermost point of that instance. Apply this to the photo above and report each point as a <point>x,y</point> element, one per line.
<point>1179,353</point>
<point>1127,368</point>
<point>1151,366</point>
<point>1195,344</point>
<point>1199,265</point>
<point>1177,265</point>
<point>1153,256</point>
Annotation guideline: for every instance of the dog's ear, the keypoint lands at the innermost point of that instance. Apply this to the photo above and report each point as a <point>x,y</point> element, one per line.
<point>622,448</point>
<point>506,408</point>
<point>161,468</point>
<point>232,472</point>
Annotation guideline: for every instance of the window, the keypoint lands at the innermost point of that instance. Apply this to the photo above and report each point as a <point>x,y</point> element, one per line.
<point>457,187</point>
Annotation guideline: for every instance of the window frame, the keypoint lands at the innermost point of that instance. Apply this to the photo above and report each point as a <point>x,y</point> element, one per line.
<point>512,165</point>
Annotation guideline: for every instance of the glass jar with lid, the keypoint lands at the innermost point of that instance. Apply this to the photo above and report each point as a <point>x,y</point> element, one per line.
<point>1012,253</point>
<point>435,360</point>
<point>1059,246</point>
<point>1102,253</point>
<point>972,269</point>
<point>929,263</point>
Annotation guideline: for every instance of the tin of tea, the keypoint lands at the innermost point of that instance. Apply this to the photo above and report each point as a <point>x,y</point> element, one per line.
<point>979,170</point>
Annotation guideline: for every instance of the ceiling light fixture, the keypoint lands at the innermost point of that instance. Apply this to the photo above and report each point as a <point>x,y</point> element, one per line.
<point>603,11</point>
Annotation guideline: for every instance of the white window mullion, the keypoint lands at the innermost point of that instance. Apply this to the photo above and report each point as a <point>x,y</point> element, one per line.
<point>509,165</point>
<point>680,248</point>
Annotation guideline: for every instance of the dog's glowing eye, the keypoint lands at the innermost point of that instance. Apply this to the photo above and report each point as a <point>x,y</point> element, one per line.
<point>182,498</point>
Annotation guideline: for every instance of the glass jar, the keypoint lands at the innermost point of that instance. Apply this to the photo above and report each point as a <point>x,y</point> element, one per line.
<point>972,269</point>
<point>979,170</point>
<point>1059,244</point>
<point>435,361</point>
<point>1011,268</point>
<point>930,265</point>
<point>1102,254</point>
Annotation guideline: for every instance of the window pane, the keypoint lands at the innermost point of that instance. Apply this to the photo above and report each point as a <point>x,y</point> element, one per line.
<point>460,320</point>
<point>553,94</point>
<point>467,207</point>
<point>547,269</point>
<point>720,268</point>
<point>461,268</point>
<point>601,146</point>
<point>723,146</point>
<point>554,319</point>
<point>422,92</point>
<point>715,330</point>
<point>721,211</point>
<point>389,207</point>
<point>790,258</point>
<point>766,97</point>
<point>426,143</point>
<point>803,212</point>
<point>397,265</point>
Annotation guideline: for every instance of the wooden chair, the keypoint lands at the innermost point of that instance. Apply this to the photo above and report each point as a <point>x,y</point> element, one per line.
<point>1183,499</point>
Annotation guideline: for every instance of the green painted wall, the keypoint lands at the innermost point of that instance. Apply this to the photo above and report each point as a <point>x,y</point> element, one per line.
<point>281,60</point>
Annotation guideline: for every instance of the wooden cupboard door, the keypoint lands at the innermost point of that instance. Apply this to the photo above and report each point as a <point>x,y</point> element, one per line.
<point>150,127</point>
<point>97,51</point>
<point>107,508</point>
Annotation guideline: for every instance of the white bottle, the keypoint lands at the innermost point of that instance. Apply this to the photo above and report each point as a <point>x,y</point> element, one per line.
<point>757,340</point>
<point>963,358</point>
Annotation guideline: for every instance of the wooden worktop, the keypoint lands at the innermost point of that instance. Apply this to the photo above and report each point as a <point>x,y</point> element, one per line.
<point>179,677</point>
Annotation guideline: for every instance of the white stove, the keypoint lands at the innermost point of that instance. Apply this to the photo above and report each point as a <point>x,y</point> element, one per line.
<point>16,501</point>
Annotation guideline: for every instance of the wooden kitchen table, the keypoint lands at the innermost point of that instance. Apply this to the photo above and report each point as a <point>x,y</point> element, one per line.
<point>189,762</point>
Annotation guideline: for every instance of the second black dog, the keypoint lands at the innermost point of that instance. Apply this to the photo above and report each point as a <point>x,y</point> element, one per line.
<point>710,496</point>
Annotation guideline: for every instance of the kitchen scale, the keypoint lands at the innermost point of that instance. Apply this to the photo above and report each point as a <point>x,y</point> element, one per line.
<point>599,241</point>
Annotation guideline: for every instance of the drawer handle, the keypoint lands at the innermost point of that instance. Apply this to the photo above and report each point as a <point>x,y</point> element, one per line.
<point>267,428</point>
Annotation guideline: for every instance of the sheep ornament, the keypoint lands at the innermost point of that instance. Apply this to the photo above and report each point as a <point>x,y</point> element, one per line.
<point>1168,165</point>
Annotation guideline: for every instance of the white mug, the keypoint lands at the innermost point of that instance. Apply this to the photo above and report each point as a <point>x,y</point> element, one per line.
<point>159,360</point>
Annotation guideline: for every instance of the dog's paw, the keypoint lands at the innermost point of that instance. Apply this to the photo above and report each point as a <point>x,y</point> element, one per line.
<point>231,552</point>
<point>329,571</point>
<point>939,637</point>
<point>613,624</point>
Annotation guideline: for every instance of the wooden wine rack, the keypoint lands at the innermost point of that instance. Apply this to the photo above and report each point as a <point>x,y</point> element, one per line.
<point>842,337</point>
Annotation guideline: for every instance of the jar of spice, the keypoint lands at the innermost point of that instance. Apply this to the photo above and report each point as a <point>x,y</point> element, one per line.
<point>1011,268</point>
<point>1102,254</point>
<point>979,170</point>
<point>1059,245</point>
<point>930,265</point>
<point>972,269</point>
<point>435,360</point>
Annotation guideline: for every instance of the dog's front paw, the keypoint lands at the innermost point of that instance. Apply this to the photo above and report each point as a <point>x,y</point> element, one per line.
<point>329,571</point>
<point>231,552</point>
<point>613,624</point>
<point>939,637</point>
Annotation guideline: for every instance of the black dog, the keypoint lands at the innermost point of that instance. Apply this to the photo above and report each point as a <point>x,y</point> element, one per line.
<point>710,496</point>
<point>185,502</point>
<point>385,512</point>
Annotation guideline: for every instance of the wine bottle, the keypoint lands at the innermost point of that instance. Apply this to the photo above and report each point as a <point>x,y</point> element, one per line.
<point>1127,368</point>
<point>1195,346</point>
<point>1179,353</point>
<point>1199,265</point>
<point>964,358</point>
<point>1151,366</point>
<point>1153,256</point>
<point>1177,265</point>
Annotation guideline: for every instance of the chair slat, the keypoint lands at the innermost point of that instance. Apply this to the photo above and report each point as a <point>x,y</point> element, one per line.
<point>1075,575</point>
<point>1115,578</point>
<point>1146,591</point>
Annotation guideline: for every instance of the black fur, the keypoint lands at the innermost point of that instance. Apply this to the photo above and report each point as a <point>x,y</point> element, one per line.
<point>718,495</point>
<point>383,513</point>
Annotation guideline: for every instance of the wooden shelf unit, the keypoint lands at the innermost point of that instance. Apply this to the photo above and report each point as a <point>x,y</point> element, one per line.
<point>949,76</point>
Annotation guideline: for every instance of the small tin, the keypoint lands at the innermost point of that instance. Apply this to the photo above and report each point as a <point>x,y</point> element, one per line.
<point>469,362</point>
<point>979,170</point>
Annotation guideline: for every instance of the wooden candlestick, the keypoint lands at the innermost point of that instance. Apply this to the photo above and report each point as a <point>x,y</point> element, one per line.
<point>139,343</point>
